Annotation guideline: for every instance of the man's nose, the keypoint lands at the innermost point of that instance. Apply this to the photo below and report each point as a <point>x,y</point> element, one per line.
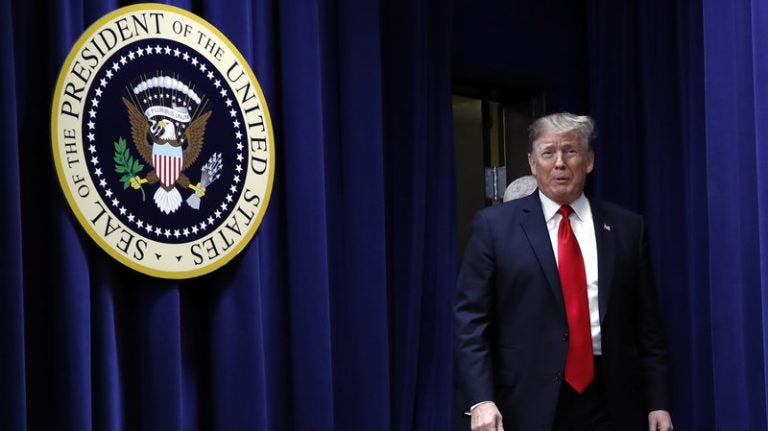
<point>559,160</point>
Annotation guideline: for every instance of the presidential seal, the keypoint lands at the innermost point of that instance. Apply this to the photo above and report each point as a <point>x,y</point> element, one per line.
<point>162,141</point>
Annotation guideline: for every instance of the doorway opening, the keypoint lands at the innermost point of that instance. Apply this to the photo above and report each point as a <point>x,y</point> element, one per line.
<point>490,132</point>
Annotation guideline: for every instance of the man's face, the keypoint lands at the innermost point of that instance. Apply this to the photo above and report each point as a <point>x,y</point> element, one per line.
<point>560,162</point>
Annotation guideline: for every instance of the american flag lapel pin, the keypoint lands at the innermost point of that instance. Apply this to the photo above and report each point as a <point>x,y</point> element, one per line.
<point>606,227</point>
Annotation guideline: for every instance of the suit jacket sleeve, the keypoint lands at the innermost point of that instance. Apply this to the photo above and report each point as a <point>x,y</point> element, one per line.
<point>474,307</point>
<point>651,338</point>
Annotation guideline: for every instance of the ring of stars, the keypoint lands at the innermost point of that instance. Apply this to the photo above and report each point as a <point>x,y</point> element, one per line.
<point>162,232</point>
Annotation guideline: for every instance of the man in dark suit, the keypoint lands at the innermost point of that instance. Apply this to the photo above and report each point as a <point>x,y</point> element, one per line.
<point>558,326</point>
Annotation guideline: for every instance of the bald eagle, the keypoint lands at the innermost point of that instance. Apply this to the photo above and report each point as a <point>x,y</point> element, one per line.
<point>158,144</point>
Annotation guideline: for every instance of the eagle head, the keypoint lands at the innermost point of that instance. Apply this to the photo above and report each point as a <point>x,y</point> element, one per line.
<point>164,130</point>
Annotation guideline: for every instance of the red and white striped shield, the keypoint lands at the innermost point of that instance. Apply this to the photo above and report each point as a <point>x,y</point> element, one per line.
<point>168,161</point>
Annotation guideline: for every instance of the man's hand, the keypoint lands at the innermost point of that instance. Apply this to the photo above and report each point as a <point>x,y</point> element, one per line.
<point>486,417</point>
<point>659,420</point>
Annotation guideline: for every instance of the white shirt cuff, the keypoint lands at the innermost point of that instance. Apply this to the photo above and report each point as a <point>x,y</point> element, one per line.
<point>469,412</point>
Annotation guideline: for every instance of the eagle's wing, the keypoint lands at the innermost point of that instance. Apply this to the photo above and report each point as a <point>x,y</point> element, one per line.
<point>194,134</point>
<point>139,128</point>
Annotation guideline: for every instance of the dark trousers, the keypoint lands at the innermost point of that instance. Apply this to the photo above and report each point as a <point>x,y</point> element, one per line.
<point>587,411</point>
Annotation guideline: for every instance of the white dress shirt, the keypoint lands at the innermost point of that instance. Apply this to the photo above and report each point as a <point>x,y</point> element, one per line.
<point>584,228</point>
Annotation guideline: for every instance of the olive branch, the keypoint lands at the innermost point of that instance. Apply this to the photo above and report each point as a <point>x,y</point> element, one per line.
<point>128,166</point>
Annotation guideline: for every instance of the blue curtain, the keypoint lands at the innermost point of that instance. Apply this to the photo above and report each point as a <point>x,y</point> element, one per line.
<point>736,71</point>
<point>337,316</point>
<point>679,91</point>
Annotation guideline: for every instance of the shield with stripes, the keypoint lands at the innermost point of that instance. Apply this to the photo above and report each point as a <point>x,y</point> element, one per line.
<point>168,161</point>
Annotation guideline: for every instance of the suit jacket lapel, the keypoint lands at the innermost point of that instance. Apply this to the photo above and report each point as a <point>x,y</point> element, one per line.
<point>535,228</point>
<point>606,255</point>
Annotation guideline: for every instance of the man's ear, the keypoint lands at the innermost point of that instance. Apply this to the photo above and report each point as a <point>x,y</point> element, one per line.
<point>590,161</point>
<point>532,164</point>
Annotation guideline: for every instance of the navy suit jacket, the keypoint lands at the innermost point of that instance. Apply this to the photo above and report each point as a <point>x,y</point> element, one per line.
<point>512,331</point>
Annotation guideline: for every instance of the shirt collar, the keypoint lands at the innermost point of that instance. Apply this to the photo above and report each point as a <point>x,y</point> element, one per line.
<point>580,206</point>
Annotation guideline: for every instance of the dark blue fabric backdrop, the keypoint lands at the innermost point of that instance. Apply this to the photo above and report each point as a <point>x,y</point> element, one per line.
<point>337,316</point>
<point>736,71</point>
<point>678,89</point>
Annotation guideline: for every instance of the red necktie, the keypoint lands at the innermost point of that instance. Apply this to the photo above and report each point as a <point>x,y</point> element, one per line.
<point>579,364</point>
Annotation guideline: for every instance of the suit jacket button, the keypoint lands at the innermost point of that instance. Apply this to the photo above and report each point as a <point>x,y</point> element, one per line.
<point>565,336</point>
<point>558,376</point>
